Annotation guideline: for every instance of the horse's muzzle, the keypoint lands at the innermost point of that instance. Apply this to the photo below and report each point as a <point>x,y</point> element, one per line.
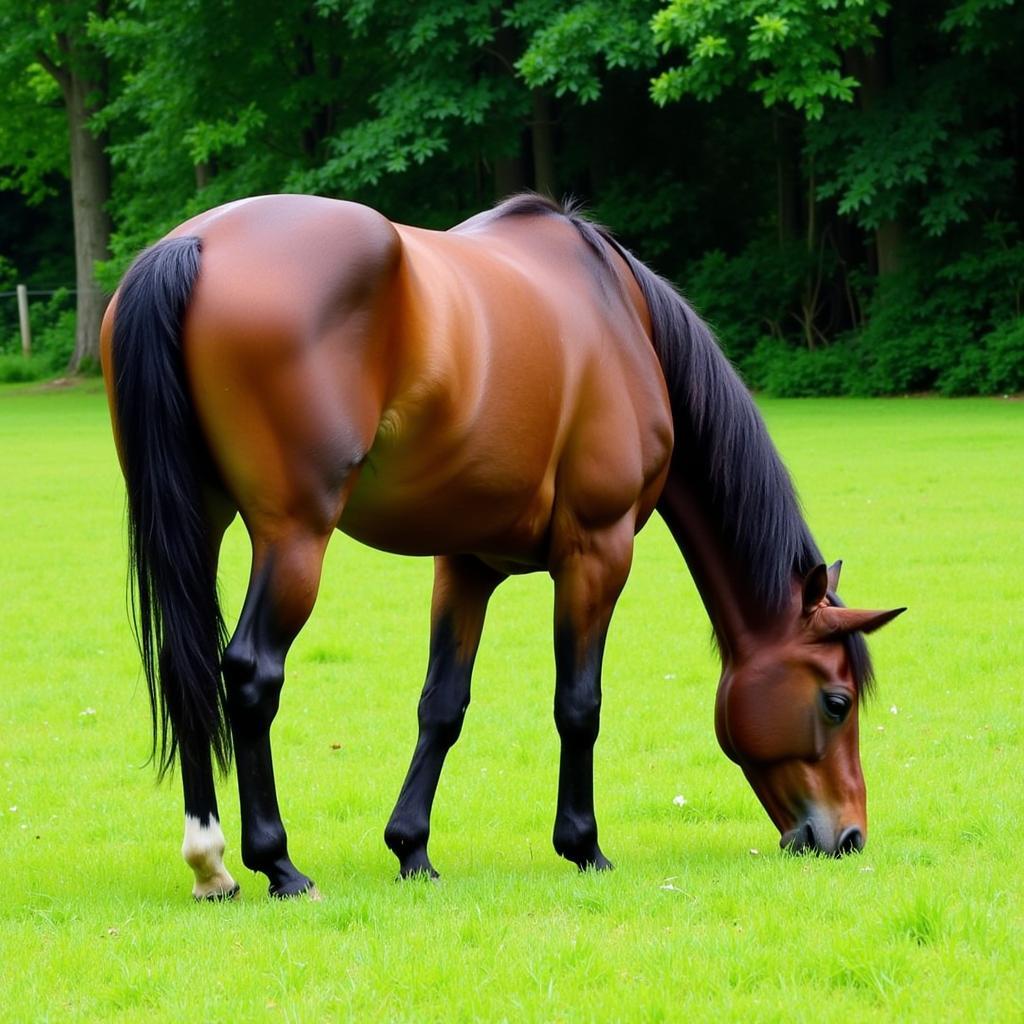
<point>813,836</point>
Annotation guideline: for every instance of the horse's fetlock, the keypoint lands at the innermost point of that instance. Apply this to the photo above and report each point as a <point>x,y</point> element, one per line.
<point>575,838</point>
<point>404,835</point>
<point>266,848</point>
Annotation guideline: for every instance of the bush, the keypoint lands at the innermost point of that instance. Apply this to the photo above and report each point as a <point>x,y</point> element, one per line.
<point>748,296</point>
<point>993,366</point>
<point>15,368</point>
<point>56,340</point>
<point>53,331</point>
<point>953,326</point>
<point>789,372</point>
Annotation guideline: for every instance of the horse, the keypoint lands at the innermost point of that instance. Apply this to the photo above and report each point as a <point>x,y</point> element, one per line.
<point>517,394</point>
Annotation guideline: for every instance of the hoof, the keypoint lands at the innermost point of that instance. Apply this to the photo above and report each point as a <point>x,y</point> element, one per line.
<point>299,886</point>
<point>594,860</point>
<point>218,897</point>
<point>599,863</point>
<point>426,873</point>
<point>216,890</point>
<point>417,865</point>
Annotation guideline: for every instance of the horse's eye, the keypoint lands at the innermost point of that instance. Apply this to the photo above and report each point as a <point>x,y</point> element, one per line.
<point>837,706</point>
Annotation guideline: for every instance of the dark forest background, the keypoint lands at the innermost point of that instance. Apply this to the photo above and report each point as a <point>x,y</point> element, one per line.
<point>837,186</point>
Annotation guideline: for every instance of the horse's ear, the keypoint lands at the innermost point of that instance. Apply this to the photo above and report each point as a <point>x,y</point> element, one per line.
<point>833,620</point>
<point>833,576</point>
<point>815,588</point>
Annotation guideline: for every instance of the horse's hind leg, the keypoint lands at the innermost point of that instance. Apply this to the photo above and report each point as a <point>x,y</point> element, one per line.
<point>282,589</point>
<point>203,845</point>
<point>462,588</point>
<point>588,580</point>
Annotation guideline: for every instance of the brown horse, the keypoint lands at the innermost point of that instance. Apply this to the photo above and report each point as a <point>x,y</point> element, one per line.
<point>516,394</point>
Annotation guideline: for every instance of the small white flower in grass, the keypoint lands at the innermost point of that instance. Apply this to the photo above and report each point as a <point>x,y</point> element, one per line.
<point>866,868</point>
<point>755,853</point>
<point>894,710</point>
<point>679,801</point>
<point>86,711</point>
<point>670,675</point>
<point>13,808</point>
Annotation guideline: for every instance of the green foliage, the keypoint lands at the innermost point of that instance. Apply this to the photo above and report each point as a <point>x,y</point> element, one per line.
<point>53,336</point>
<point>789,371</point>
<point>786,51</point>
<point>994,365</point>
<point>924,153</point>
<point>956,329</point>
<point>797,152</point>
<point>749,296</point>
<point>16,369</point>
<point>574,48</point>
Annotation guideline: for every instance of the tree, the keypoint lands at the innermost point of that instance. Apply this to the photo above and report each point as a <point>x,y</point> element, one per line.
<point>55,38</point>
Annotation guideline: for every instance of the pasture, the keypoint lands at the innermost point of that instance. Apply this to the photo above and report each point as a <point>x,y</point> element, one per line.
<point>703,918</point>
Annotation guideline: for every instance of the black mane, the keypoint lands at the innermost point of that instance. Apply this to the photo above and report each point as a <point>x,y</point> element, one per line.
<point>722,442</point>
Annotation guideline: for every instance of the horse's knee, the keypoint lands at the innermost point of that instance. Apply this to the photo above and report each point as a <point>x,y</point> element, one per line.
<point>578,717</point>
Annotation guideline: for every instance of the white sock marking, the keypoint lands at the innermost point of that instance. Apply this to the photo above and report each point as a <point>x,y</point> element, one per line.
<point>203,850</point>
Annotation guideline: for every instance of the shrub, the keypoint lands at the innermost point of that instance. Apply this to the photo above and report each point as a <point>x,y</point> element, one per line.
<point>993,366</point>
<point>748,296</point>
<point>790,372</point>
<point>15,368</point>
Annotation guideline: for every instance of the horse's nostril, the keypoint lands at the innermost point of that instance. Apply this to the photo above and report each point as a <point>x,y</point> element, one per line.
<point>800,839</point>
<point>850,841</point>
<point>808,840</point>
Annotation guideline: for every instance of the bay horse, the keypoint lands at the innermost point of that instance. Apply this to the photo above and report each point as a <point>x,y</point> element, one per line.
<point>517,394</point>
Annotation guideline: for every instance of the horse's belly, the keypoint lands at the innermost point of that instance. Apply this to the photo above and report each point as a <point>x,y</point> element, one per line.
<point>478,509</point>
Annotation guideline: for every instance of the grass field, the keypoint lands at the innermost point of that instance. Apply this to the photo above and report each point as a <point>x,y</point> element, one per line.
<point>704,918</point>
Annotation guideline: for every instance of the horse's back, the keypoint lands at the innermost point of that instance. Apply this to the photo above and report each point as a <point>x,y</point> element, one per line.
<point>428,392</point>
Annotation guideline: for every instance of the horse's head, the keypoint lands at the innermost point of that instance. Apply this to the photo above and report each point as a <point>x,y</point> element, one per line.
<point>786,713</point>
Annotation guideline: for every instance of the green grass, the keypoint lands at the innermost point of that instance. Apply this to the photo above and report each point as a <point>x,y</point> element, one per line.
<point>923,499</point>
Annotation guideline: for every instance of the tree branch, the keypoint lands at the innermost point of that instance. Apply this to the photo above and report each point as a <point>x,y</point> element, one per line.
<point>60,75</point>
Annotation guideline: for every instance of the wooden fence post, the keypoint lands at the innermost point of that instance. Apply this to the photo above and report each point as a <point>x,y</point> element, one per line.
<point>26,327</point>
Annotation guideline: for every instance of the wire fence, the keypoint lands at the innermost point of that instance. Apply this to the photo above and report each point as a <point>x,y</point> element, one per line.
<point>40,291</point>
<point>18,322</point>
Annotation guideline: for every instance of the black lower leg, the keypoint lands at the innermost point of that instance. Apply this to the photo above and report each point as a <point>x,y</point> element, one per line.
<point>577,717</point>
<point>442,709</point>
<point>254,687</point>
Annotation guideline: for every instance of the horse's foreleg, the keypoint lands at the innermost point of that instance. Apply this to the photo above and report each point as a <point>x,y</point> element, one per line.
<point>462,587</point>
<point>588,580</point>
<point>282,589</point>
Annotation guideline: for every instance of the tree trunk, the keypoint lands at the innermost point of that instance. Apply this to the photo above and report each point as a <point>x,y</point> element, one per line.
<point>543,138</point>
<point>90,184</point>
<point>508,176</point>
<point>90,191</point>
<point>889,239</point>
<point>787,177</point>
<point>871,69</point>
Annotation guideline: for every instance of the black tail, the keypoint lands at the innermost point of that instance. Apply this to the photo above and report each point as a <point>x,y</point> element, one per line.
<point>176,614</point>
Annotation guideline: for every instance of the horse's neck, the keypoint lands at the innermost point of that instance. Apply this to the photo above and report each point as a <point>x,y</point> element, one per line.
<point>720,581</point>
